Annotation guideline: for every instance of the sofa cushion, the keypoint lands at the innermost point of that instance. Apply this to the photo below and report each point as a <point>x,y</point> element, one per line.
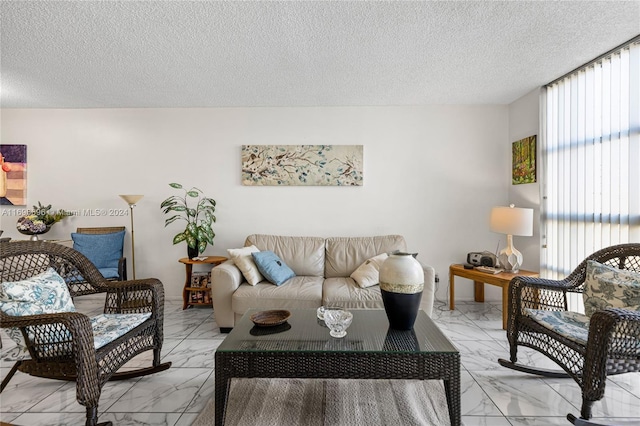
<point>609,287</point>
<point>244,261</point>
<point>274,269</point>
<point>368,274</point>
<point>304,255</point>
<point>345,254</point>
<point>296,293</point>
<point>345,293</point>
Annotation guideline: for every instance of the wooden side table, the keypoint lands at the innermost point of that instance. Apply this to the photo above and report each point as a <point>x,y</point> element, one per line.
<point>479,280</point>
<point>188,289</point>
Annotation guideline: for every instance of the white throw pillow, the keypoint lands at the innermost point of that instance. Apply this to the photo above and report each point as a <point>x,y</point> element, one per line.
<point>243,260</point>
<point>368,274</point>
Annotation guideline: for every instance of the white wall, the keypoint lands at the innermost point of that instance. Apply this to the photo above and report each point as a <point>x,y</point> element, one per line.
<point>523,122</point>
<point>431,174</point>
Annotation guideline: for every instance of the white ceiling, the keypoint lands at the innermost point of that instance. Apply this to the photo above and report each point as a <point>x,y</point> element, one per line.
<point>92,54</point>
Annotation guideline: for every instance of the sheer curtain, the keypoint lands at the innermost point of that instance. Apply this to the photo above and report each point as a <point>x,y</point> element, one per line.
<point>590,152</point>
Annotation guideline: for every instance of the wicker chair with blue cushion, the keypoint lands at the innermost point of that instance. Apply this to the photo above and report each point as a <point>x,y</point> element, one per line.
<point>37,309</point>
<point>603,341</point>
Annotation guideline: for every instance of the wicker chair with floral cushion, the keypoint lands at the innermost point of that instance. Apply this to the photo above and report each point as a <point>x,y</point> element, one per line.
<point>35,305</point>
<point>589,347</point>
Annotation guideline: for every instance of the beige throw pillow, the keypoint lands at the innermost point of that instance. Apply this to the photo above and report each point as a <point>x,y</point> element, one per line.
<point>368,274</point>
<point>243,260</point>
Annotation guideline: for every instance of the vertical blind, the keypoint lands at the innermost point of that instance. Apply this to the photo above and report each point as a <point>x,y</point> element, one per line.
<point>590,159</point>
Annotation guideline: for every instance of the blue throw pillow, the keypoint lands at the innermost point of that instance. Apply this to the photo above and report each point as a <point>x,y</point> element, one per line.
<point>103,250</point>
<point>272,267</point>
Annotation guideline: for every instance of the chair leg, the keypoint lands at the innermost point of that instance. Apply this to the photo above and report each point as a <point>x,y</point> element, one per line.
<point>585,412</point>
<point>156,357</point>
<point>92,418</point>
<point>13,370</point>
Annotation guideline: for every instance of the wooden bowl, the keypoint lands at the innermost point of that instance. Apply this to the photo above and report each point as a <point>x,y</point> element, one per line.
<point>266,331</point>
<point>270,318</point>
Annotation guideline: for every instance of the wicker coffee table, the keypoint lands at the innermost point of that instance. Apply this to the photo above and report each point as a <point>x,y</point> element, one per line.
<point>302,348</point>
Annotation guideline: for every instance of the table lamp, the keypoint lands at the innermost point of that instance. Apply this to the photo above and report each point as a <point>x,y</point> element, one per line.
<point>132,200</point>
<point>511,221</point>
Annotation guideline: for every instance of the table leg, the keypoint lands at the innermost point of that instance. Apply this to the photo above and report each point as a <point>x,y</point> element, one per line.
<point>505,305</point>
<point>452,292</point>
<point>452,389</point>
<point>187,283</point>
<point>221,391</point>
<point>478,295</point>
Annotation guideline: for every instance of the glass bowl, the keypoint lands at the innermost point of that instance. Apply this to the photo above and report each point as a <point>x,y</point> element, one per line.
<point>338,320</point>
<point>322,309</point>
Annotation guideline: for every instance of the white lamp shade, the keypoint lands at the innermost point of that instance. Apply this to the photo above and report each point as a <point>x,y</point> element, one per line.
<point>512,221</point>
<point>131,199</point>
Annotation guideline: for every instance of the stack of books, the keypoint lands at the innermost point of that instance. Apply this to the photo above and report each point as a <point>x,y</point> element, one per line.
<point>201,280</point>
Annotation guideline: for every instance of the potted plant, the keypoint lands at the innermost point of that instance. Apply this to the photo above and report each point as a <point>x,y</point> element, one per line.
<point>198,231</point>
<point>40,220</point>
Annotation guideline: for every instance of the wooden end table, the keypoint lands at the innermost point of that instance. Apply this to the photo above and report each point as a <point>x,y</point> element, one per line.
<point>186,291</point>
<point>479,280</point>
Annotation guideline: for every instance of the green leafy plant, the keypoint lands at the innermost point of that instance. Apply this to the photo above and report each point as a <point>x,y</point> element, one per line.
<point>199,229</point>
<point>44,214</point>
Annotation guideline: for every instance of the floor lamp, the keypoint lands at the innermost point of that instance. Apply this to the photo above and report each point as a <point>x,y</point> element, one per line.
<point>132,200</point>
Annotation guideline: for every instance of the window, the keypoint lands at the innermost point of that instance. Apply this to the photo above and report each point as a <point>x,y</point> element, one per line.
<point>591,160</point>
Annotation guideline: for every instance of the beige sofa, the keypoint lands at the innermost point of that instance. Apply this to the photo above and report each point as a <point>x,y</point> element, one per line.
<point>322,266</point>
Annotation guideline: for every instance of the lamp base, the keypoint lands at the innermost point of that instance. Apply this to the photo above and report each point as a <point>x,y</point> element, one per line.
<point>510,259</point>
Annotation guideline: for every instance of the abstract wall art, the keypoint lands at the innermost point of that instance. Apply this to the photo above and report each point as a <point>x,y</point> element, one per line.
<point>317,165</point>
<point>13,175</point>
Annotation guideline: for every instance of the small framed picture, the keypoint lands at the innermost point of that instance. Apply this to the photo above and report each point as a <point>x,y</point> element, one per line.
<point>523,163</point>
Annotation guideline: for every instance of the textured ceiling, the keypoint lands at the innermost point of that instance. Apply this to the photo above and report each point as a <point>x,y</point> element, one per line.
<point>80,54</point>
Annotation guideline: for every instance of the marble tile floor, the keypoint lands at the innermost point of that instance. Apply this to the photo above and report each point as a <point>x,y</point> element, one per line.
<point>491,394</point>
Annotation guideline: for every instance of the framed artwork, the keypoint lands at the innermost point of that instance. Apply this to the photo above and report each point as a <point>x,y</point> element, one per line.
<point>13,175</point>
<point>523,163</point>
<point>319,165</point>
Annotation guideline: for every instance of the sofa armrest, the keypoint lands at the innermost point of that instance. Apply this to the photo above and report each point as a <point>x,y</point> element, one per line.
<point>428,294</point>
<point>225,280</point>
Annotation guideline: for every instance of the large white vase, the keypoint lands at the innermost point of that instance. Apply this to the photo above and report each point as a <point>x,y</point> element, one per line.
<point>401,285</point>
